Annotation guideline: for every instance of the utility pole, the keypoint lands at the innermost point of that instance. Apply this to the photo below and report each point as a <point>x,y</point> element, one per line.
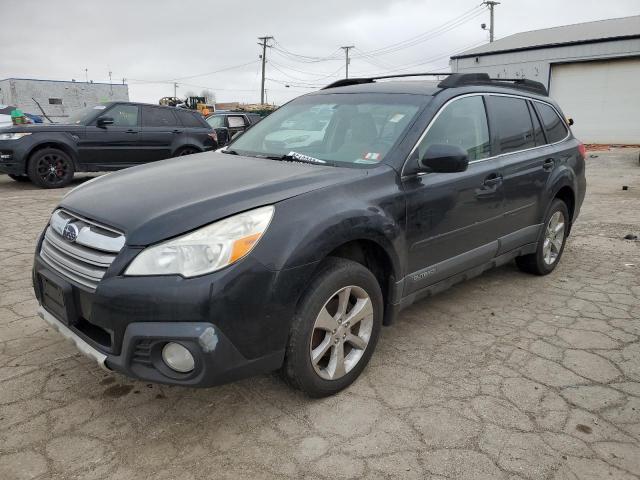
<point>175,90</point>
<point>86,74</point>
<point>491,4</point>
<point>346,59</point>
<point>264,63</point>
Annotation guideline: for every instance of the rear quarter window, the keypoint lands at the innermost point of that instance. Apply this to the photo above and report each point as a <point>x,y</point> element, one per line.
<point>553,124</point>
<point>189,119</point>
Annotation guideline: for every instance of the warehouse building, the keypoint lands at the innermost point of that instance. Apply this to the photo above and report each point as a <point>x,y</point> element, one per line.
<point>592,69</point>
<point>57,98</point>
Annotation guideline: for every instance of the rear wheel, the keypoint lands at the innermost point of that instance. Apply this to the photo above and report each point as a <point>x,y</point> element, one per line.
<point>551,244</point>
<point>50,168</point>
<point>19,178</point>
<point>335,329</point>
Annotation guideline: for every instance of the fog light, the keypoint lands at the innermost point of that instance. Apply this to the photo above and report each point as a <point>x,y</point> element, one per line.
<point>177,357</point>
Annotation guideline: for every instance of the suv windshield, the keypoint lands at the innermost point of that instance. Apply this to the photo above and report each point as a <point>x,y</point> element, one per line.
<point>340,129</point>
<point>82,116</point>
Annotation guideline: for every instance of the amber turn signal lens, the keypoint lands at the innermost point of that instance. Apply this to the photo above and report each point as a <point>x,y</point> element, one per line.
<point>243,246</point>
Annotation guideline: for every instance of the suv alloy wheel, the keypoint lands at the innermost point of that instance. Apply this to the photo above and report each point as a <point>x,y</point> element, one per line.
<point>335,330</point>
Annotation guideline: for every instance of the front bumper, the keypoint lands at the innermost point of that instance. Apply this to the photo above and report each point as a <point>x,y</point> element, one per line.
<point>217,361</point>
<point>244,313</point>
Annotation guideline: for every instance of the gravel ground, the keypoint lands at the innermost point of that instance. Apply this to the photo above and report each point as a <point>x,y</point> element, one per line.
<point>505,376</point>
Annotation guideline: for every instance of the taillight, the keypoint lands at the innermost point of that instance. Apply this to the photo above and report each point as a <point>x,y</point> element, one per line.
<point>214,136</point>
<point>582,150</point>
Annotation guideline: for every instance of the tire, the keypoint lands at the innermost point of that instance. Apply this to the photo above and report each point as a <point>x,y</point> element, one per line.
<point>50,168</point>
<point>331,332</point>
<point>19,178</point>
<point>186,151</point>
<point>549,251</point>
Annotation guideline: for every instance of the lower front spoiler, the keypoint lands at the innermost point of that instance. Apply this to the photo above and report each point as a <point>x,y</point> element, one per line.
<point>217,361</point>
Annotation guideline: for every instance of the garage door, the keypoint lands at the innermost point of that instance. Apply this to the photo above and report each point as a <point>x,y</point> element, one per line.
<point>602,97</point>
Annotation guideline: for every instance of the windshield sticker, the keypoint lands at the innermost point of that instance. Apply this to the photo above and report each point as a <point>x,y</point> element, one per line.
<point>99,107</point>
<point>396,118</point>
<point>304,158</point>
<point>372,156</point>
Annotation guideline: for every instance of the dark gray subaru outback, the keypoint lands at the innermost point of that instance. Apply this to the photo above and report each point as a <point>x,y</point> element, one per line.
<point>292,247</point>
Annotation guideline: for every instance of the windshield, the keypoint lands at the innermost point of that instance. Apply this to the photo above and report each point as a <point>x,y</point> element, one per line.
<point>340,129</point>
<point>80,117</point>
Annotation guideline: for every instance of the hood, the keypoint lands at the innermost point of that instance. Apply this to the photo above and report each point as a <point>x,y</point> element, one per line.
<point>45,127</point>
<point>157,201</point>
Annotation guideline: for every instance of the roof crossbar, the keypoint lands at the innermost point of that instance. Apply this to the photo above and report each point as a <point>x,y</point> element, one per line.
<point>456,80</point>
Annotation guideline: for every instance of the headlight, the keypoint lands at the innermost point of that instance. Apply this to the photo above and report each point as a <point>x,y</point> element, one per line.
<point>205,250</point>
<point>13,136</point>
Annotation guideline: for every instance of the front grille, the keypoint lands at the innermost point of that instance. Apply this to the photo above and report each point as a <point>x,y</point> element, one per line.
<point>79,249</point>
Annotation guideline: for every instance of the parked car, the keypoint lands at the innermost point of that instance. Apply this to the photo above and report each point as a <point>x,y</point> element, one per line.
<point>203,270</point>
<point>228,124</point>
<point>104,137</point>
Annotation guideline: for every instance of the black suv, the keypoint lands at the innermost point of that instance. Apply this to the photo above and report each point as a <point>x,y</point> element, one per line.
<point>207,269</point>
<point>104,137</point>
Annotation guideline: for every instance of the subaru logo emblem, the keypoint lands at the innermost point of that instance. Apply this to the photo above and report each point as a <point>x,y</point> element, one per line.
<point>70,232</point>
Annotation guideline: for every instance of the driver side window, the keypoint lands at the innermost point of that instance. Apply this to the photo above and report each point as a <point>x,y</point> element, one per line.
<point>463,123</point>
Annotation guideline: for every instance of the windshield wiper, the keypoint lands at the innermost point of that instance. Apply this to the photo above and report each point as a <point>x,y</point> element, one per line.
<point>299,157</point>
<point>229,151</point>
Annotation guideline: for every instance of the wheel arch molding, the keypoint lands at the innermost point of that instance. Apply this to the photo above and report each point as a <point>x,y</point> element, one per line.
<point>66,147</point>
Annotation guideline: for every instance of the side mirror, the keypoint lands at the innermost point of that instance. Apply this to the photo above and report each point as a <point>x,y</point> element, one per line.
<point>441,158</point>
<point>104,121</point>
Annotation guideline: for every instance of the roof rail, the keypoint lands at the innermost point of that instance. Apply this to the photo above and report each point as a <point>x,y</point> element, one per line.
<point>358,81</point>
<point>456,80</point>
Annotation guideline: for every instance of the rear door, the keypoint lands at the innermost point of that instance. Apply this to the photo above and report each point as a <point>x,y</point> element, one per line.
<point>526,165</point>
<point>159,127</point>
<point>452,218</point>
<point>112,146</point>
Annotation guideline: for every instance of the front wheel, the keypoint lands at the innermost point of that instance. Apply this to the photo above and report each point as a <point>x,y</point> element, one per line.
<point>551,244</point>
<point>335,329</point>
<point>50,168</point>
<point>186,151</point>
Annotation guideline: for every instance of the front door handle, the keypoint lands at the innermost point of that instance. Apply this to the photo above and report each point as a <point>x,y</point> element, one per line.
<point>548,164</point>
<point>492,180</point>
<point>132,131</point>
<point>176,131</point>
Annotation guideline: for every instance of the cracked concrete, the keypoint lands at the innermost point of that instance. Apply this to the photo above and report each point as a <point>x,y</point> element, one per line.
<point>507,376</point>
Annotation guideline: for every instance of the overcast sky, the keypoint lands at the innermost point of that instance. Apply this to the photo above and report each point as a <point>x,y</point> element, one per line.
<point>155,41</point>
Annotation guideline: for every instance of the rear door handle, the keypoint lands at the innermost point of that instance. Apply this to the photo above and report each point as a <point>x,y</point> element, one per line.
<point>132,131</point>
<point>493,180</point>
<point>176,131</point>
<point>548,164</point>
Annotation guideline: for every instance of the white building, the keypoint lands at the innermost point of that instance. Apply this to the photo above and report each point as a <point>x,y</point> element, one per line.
<point>57,98</point>
<point>592,69</point>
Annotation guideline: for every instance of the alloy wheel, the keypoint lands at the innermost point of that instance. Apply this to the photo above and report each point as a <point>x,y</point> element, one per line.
<point>53,168</point>
<point>341,332</point>
<point>553,238</point>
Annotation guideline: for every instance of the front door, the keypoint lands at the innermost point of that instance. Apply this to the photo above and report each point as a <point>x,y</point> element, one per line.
<point>452,218</point>
<point>111,146</point>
